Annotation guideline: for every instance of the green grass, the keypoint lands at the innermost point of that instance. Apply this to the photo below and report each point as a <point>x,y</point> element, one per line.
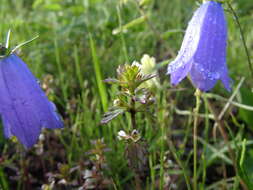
<point>78,49</point>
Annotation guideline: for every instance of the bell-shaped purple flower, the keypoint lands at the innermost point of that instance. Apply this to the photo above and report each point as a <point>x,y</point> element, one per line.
<point>24,107</point>
<point>203,51</point>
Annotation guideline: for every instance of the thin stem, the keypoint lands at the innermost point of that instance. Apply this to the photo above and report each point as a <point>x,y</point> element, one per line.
<point>195,136</point>
<point>242,36</point>
<point>137,182</point>
<point>122,35</point>
<point>133,113</point>
<point>206,139</point>
<point>134,126</point>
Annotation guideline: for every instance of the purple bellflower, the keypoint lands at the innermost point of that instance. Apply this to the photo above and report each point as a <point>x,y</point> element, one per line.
<point>203,51</point>
<point>24,107</point>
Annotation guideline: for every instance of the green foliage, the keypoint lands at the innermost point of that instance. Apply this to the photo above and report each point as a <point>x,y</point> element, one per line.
<point>97,69</point>
<point>247,99</point>
<point>81,42</point>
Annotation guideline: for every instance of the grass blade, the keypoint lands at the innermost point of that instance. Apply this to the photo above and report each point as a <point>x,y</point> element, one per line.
<point>98,74</point>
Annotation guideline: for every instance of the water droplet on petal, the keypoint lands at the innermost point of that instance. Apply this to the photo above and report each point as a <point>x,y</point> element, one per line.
<point>38,81</point>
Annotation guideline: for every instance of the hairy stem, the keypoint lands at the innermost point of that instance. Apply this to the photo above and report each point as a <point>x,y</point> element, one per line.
<point>134,126</point>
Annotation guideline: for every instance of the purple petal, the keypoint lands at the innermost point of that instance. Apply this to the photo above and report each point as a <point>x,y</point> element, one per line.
<point>190,42</point>
<point>5,103</point>
<point>7,128</point>
<point>203,49</point>
<point>200,79</point>
<point>27,109</point>
<point>180,74</point>
<point>210,57</point>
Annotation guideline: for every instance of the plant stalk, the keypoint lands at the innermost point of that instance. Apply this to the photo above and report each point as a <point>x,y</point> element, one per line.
<point>134,126</point>
<point>242,36</point>
<point>195,137</point>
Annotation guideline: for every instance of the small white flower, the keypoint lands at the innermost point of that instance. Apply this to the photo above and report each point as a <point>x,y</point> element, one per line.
<point>63,182</point>
<point>42,137</point>
<point>122,135</point>
<point>116,102</point>
<point>87,174</point>
<point>148,67</point>
<point>136,63</point>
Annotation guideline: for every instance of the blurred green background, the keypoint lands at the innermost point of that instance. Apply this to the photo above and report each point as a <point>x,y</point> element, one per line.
<point>81,42</point>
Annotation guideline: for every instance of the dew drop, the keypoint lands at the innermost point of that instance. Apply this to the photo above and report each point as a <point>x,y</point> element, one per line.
<point>216,75</point>
<point>38,81</point>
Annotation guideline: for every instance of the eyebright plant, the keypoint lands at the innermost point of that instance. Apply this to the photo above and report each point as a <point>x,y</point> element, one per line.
<point>134,96</point>
<point>203,51</point>
<point>24,107</point>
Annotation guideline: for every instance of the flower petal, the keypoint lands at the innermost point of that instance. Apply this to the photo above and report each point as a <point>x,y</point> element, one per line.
<point>203,49</point>
<point>180,74</point>
<point>210,57</point>
<point>7,128</point>
<point>5,104</point>
<point>225,79</point>
<point>29,109</point>
<point>190,42</point>
<point>201,80</point>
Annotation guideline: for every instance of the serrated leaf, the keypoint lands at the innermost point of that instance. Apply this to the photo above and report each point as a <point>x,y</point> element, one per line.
<point>147,77</point>
<point>111,115</point>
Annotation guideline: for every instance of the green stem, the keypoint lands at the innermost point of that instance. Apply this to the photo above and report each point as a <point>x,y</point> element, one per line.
<point>195,136</point>
<point>122,35</point>
<point>205,147</point>
<point>242,36</point>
